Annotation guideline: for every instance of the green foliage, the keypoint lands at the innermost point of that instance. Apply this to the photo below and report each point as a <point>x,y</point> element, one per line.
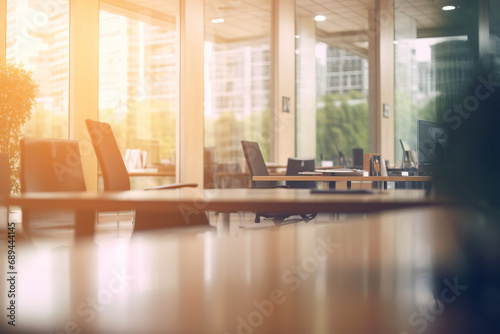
<point>46,124</point>
<point>405,119</point>
<point>226,132</point>
<point>406,116</point>
<point>430,111</point>
<point>258,128</point>
<point>17,99</point>
<point>148,125</point>
<point>343,120</point>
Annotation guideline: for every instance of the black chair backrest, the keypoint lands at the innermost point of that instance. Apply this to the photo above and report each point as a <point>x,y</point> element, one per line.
<point>254,158</point>
<point>255,162</point>
<point>294,166</point>
<point>49,165</point>
<point>114,172</point>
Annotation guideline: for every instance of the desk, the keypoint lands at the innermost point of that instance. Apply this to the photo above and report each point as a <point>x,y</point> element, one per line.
<point>374,275</point>
<point>333,179</point>
<point>293,201</point>
<point>148,172</point>
<point>224,179</point>
<point>145,178</point>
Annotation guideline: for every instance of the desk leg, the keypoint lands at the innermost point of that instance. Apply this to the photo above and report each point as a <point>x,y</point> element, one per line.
<point>223,225</point>
<point>226,218</point>
<point>84,224</point>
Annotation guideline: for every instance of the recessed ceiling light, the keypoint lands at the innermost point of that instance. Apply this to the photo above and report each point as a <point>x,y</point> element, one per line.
<point>297,36</point>
<point>319,18</point>
<point>395,42</point>
<point>218,20</point>
<point>449,7</point>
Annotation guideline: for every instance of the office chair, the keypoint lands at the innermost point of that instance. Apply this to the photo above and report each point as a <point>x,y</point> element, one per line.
<point>257,167</point>
<point>295,166</point>
<point>116,178</point>
<point>256,164</point>
<point>49,165</point>
<point>114,173</point>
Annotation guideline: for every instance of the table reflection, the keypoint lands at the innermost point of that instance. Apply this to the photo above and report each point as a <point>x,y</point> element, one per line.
<point>399,272</point>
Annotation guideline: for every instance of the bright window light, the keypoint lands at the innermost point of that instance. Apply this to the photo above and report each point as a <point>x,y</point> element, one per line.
<point>319,18</point>
<point>449,7</point>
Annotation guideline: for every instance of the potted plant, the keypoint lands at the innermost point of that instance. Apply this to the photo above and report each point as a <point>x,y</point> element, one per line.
<point>18,92</point>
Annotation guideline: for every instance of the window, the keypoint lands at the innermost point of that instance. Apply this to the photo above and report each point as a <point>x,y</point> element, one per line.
<point>138,85</point>
<point>429,71</point>
<point>237,86</point>
<point>331,81</point>
<point>38,36</point>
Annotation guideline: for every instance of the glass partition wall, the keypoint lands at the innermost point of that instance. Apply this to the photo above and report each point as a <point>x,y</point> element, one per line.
<point>331,80</point>
<point>138,85</point>
<point>139,74</point>
<point>433,59</point>
<point>237,87</point>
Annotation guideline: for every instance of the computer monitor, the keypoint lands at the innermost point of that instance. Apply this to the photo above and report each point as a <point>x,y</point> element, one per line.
<point>431,137</point>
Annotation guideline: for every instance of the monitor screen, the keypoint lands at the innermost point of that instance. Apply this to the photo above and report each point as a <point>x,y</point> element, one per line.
<point>430,138</point>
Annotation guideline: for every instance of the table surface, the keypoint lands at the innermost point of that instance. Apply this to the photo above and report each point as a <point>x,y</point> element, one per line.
<point>148,172</point>
<point>342,178</point>
<point>228,200</point>
<point>397,272</point>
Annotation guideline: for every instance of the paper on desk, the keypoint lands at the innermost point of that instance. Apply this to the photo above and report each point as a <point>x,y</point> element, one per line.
<point>311,173</point>
<point>343,172</point>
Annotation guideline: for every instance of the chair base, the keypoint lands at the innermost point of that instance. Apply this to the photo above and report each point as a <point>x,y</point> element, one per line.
<point>278,218</point>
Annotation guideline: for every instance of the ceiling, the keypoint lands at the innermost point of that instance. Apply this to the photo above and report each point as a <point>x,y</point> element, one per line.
<point>346,21</point>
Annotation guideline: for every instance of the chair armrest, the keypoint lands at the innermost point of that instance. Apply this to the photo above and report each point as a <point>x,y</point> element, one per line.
<point>173,186</point>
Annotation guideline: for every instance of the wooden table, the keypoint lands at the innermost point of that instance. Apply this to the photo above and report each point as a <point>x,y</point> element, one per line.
<point>148,172</point>
<point>417,271</point>
<point>331,180</point>
<point>188,200</point>
<point>151,173</point>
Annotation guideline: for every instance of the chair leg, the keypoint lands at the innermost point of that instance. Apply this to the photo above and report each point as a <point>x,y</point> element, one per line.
<point>118,225</point>
<point>308,217</point>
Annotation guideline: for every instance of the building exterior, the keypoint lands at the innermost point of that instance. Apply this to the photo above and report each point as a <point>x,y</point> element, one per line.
<point>451,66</point>
<point>344,72</point>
